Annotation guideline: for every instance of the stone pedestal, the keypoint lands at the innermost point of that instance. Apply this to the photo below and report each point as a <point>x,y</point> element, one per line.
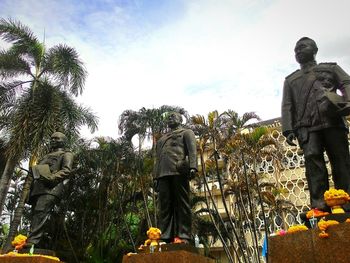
<point>39,251</point>
<point>178,256</point>
<point>338,217</point>
<point>26,259</point>
<point>308,247</point>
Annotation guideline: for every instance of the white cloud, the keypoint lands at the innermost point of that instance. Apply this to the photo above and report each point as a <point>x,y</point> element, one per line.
<point>209,55</point>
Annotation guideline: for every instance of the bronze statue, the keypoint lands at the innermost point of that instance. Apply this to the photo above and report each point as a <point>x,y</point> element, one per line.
<point>176,164</point>
<point>313,114</point>
<point>50,176</point>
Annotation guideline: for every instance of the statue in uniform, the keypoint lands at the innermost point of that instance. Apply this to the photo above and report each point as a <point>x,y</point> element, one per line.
<point>314,114</point>
<point>176,164</point>
<point>50,176</point>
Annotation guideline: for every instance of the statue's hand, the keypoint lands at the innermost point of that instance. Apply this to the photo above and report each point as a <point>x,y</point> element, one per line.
<point>192,173</point>
<point>290,138</point>
<point>52,182</point>
<point>156,185</point>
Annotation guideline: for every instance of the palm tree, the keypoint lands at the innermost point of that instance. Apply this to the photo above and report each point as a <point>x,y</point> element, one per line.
<point>210,134</point>
<point>245,152</point>
<point>214,135</point>
<point>28,62</point>
<point>2,155</point>
<point>68,116</point>
<point>42,74</point>
<point>103,212</point>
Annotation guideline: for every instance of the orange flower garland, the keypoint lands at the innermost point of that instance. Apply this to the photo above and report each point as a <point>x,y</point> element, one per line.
<point>315,213</point>
<point>19,242</point>
<point>14,254</point>
<point>323,226</point>
<point>296,228</point>
<point>335,194</point>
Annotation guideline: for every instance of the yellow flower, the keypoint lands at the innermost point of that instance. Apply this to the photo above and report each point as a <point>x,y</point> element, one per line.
<point>19,241</point>
<point>323,225</point>
<point>335,194</point>
<point>315,213</point>
<point>297,228</point>
<point>15,254</point>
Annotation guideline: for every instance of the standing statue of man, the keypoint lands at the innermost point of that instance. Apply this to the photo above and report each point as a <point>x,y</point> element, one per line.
<point>176,165</point>
<point>50,176</point>
<point>313,113</point>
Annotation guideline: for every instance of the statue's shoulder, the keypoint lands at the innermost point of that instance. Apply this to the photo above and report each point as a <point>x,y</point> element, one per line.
<point>329,64</point>
<point>179,131</point>
<point>65,152</point>
<point>325,67</point>
<point>294,75</point>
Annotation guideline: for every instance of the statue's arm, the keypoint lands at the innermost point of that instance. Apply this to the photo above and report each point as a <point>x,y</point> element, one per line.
<point>190,141</point>
<point>66,167</point>
<point>287,109</point>
<point>344,80</point>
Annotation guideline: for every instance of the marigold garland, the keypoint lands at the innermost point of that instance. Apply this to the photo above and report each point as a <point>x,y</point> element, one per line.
<point>315,213</point>
<point>297,228</point>
<point>15,254</point>
<point>323,225</point>
<point>19,242</point>
<point>335,194</point>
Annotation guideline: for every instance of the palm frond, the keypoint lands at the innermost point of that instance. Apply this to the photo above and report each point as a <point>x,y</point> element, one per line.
<point>40,112</point>
<point>16,33</point>
<point>250,116</point>
<point>75,116</point>
<point>7,94</point>
<point>129,123</point>
<point>12,64</point>
<point>63,63</point>
<point>198,119</point>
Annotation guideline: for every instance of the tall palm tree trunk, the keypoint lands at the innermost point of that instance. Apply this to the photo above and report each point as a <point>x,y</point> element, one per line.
<point>226,248</point>
<point>5,181</point>
<point>144,198</point>
<point>223,198</point>
<point>251,207</point>
<point>154,197</point>
<point>18,212</point>
<point>267,232</point>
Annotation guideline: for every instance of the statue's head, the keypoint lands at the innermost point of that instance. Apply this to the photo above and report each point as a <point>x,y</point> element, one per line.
<point>305,50</point>
<point>174,119</point>
<point>58,140</point>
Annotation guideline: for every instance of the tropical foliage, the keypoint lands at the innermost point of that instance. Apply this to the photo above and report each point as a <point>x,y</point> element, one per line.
<point>110,202</point>
<point>37,88</point>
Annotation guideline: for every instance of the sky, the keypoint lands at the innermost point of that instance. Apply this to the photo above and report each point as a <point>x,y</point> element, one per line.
<point>202,55</point>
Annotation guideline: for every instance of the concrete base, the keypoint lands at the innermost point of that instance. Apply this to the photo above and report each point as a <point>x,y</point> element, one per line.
<point>338,217</point>
<point>170,247</point>
<point>39,251</point>
<point>179,256</point>
<point>26,259</point>
<point>308,247</point>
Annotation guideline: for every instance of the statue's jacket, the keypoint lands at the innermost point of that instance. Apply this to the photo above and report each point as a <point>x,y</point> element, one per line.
<point>176,153</point>
<point>60,163</point>
<point>299,102</point>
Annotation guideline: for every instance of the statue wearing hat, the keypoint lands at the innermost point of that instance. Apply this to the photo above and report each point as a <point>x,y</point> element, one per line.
<point>315,103</point>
